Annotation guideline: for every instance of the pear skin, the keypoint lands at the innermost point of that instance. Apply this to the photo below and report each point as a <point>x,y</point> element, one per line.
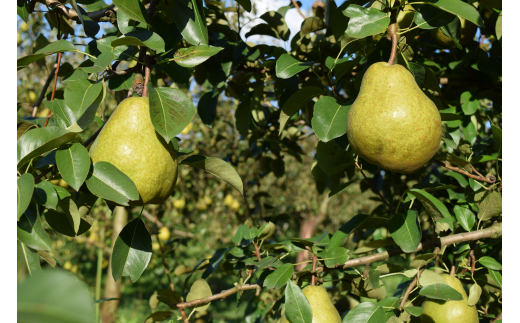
<point>129,141</point>
<point>438,311</point>
<point>323,311</point>
<point>392,123</point>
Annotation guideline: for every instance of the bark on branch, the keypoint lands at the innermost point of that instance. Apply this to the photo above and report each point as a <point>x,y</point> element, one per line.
<point>108,14</point>
<point>220,295</point>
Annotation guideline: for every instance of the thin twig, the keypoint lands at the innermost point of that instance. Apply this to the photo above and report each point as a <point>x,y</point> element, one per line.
<point>183,315</point>
<point>298,8</point>
<point>148,60</point>
<point>36,105</point>
<point>375,189</point>
<point>313,277</point>
<point>463,172</point>
<point>410,288</point>
<point>56,72</point>
<point>220,295</point>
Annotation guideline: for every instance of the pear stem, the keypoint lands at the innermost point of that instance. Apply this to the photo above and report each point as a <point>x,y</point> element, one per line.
<point>392,36</point>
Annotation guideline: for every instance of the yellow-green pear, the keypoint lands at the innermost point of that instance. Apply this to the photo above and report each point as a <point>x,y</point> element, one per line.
<point>467,33</point>
<point>392,123</point>
<point>438,311</point>
<point>323,311</point>
<point>129,141</point>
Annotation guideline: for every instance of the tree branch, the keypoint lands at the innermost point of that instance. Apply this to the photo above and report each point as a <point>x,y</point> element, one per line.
<point>108,14</point>
<point>410,288</point>
<point>36,106</point>
<point>220,295</point>
<point>463,172</point>
<point>494,231</point>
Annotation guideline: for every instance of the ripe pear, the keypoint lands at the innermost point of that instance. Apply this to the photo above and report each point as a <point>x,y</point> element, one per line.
<point>323,311</point>
<point>129,141</point>
<point>392,123</point>
<point>437,311</point>
<point>467,33</point>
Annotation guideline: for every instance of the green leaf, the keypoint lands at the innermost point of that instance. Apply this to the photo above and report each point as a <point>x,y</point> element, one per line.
<point>65,118</point>
<point>207,108</point>
<point>497,277</point>
<point>61,298</point>
<point>297,307</point>
<point>104,45</point>
<point>490,206</point>
<point>195,55</point>
<point>497,137</point>
<point>287,66</point>
<point>246,4</point>
<point>123,22</point>
<point>80,95</point>
<point>429,277</point>
<point>461,9</point>
<point>428,17</point>
<point>335,256</point>
<point>158,316</point>
<point>365,22</point>
<point>217,167</point>
<point>190,22</point>
<point>30,230</point>
<point>132,251</point>
<point>373,245</point>
<point>345,230</point>
<point>422,260</point>
<point>24,193</point>
<point>134,9</point>
<point>262,29</point>
<point>453,30</point>
<point>199,289</point>
<point>330,118</point>
<point>53,48</point>
<point>277,22</point>
<point>90,26</point>
<point>22,9</point>
<point>45,195</point>
<point>279,277</point>
<point>433,206</point>
<point>142,38</point>
<point>498,28</point>
<point>27,258</point>
<point>414,310</point>
<point>405,230</point>
<point>39,141</point>
<point>373,278</point>
<point>366,312</point>
<point>100,64</point>
<point>332,158</point>
<point>465,217</point>
<point>296,102</point>
<point>73,163</point>
<point>490,263</point>
<point>214,261</point>
<point>440,291</point>
<point>474,294</point>
<point>171,110</point>
<point>106,181</point>
<point>311,24</point>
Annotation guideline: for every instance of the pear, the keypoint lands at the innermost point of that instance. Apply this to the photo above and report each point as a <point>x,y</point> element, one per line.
<point>323,311</point>
<point>392,123</point>
<point>437,311</point>
<point>129,141</point>
<point>467,33</point>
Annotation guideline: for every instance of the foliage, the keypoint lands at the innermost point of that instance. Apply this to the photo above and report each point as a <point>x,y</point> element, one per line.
<point>253,178</point>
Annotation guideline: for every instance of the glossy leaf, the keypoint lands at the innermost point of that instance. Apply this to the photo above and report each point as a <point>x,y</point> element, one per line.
<point>39,141</point>
<point>217,167</point>
<point>30,230</point>
<point>123,22</point>
<point>490,206</point>
<point>61,298</point>
<point>335,256</point>
<point>104,45</point>
<point>207,108</point>
<point>132,251</point>
<point>296,102</point>
<point>311,24</point>
<point>199,289</point>
<point>422,260</point>
<point>497,277</point>
<point>188,20</point>
<point>142,38</point>
<point>330,118</point>
<point>73,163</point>
<point>414,310</point>
<point>332,158</point>
<point>430,277</point>
<point>366,312</point>
<point>64,115</point>
<point>474,294</point>
<point>195,55</point>
<point>433,206</point>
<point>81,94</point>
<point>279,277</point>
<point>100,64</point>
<point>490,263</point>
<point>287,66</point>
<point>345,230</point>
<point>465,217</point>
<point>459,8</point>
<point>106,181</point>
<point>297,307</point>
<point>365,22</point>
<point>24,193</point>
<point>277,22</point>
<point>246,4</point>
<point>45,195</point>
<point>405,230</point>
<point>440,291</point>
<point>134,9</point>
<point>53,48</point>
<point>429,17</point>
<point>171,110</point>
<point>27,258</point>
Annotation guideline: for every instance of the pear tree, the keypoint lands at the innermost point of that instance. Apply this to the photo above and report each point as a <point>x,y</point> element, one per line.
<point>228,166</point>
